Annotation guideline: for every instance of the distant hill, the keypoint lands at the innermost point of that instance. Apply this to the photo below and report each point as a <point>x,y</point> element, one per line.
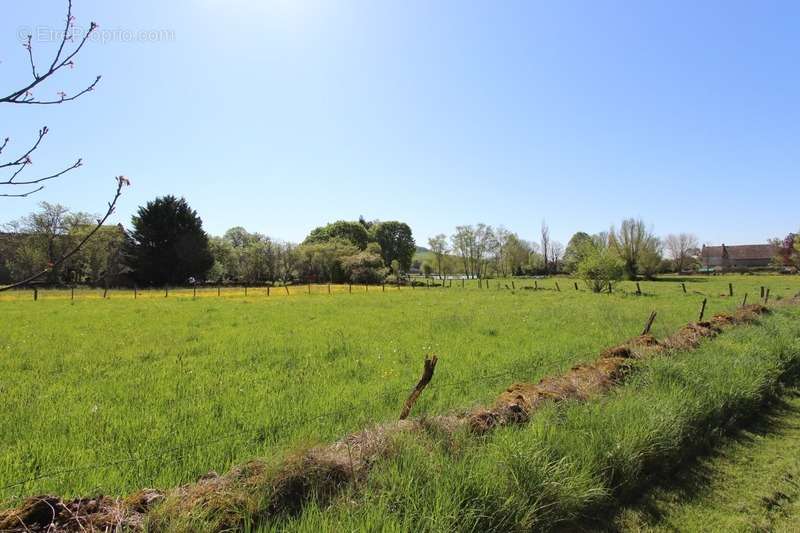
<point>423,254</point>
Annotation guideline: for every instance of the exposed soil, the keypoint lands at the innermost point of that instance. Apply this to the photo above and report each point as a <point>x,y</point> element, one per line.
<point>51,514</point>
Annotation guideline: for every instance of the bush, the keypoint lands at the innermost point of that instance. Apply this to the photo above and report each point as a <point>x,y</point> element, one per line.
<point>600,269</point>
<point>365,267</point>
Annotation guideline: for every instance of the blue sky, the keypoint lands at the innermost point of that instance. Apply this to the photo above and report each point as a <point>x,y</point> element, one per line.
<point>281,115</point>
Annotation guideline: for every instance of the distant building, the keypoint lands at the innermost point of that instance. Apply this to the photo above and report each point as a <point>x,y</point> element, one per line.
<point>737,257</point>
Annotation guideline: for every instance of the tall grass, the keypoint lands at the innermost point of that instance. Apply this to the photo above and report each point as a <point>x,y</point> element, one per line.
<point>120,394</point>
<point>573,460</point>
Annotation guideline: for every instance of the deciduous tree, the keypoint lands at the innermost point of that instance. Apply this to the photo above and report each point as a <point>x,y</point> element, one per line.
<point>575,249</point>
<point>353,232</point>
<point>631,241</point>
<point>396,241</point>
<point>438,246</point>
<point>680,248</point>
<point>544,233</point>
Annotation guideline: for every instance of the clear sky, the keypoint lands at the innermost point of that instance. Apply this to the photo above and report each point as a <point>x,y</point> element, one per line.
<point>281,115</point>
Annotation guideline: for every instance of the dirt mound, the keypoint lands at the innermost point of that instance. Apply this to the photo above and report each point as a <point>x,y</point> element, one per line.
<point>750,313</point>
<point>519,401</point>
<point>266,491</point>
<point>51,514</point>
<point>634,348</point>
<point>691,335</point>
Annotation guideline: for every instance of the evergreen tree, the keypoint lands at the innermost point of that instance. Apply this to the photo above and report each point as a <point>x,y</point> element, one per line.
<point>168,244</point>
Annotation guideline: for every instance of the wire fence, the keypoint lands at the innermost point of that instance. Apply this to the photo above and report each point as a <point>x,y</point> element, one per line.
<point>204,292</point>
<point>254,434</point>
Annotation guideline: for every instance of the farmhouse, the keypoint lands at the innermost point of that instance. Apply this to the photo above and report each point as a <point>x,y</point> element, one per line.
<point>737,257</point>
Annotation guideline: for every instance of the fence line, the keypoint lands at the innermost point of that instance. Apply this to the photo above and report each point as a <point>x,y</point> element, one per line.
<point>205,292</point>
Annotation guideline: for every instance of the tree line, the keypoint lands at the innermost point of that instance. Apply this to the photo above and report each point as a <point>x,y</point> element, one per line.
<point>630,251</point>
<point>166,244</point>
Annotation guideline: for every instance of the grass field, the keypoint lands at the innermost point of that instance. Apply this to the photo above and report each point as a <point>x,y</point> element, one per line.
<point>751,483</point>
<point>114,395</point>
<point>577,461</point>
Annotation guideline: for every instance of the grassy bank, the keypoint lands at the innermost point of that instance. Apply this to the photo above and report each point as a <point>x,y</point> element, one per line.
<point>751,483</point>
<point>572,460</point>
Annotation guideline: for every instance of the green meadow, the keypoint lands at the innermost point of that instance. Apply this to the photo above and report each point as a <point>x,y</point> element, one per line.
<point>574,464</point>
<point>112,395</point>
<point>750,483</point>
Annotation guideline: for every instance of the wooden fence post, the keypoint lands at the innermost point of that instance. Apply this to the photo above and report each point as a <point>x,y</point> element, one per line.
<point>309,288</point>
<point>703,310</point>
<point>744,301</point>
<point>35,294</point>
<point>219,290</point>
<point>72,293</point>
<point>684,287</point>
<point>166,291</point>
<point>649,323</point>
<point>427,375</point>
<point>638,289</point>
<point>329,288</point>
<point>514,287</point>
<point>557,287</point>
<point>730,290</point>
<point>267,290</point>
<point>576,285</point>
<point>135,292</point>
<point>766,297</point>
<point>536,284</point>
<point>762,292</point>
<point>285,286</point>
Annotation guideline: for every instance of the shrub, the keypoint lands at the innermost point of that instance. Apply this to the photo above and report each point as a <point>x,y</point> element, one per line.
<point>600,269</point>
<point>365,267</point>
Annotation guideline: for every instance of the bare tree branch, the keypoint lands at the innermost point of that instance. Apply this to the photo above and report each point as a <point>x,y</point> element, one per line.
<point>122,181</point>
<point>25,158</point>
<point>22,195</point>
<point>29,46</point>
<point>11,181</point>
<point>25,96</point>
<point>62,96</point>
<point>22,163</point>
